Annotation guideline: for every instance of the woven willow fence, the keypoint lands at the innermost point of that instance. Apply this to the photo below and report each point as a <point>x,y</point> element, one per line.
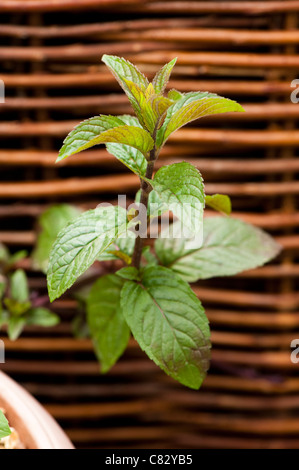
<point>247,50</point>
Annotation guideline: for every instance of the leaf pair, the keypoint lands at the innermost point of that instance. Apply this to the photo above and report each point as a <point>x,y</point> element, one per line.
<point>229,247</point>
<point>18,310</point>
<point>164,315</point>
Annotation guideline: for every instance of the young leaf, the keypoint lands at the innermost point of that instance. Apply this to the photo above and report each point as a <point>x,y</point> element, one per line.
<point>230,246</point>
<point>180,186</point>
<point>175,95</point>
<point>124,244</point>
<point>149,107</point>
<point>4,426</point>
<point>51,222</point>
<point>220,203</point>
<point>156,206</point>
<point>42,317</point>
<point>19,286</point>
<point>193,106</point>
<point>129,273</point>
<point>15,327</point>
<point>161,78</point>
<point>169,323</point>
<point>129,156</point>
<point>80,243</point>
<point>86,133</point>
<point>80,139</point>
<point>123,70</point>
<point>109,330</point>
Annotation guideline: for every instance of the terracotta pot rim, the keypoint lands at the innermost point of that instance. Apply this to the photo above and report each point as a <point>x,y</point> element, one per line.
<point>37,429</point>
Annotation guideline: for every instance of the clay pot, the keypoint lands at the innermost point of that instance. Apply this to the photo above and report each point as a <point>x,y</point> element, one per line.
<point>36,428</point>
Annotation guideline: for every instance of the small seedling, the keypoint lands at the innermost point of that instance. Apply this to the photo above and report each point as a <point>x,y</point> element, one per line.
<point>151,296</point>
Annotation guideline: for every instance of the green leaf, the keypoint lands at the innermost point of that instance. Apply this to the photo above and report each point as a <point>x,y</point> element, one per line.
<point>19,286</point>
<point>220,203</point>
<point>125,244</point>
<point>129,156</point>
<point>191,107</point>
<point>109,330</point>
<point>156,206</point>
<point>4,426</point>
<point>129,272</point>
<point>4,253</point>
<point>101,130</point>
<point>123,70</point>
<point>180,186</point>
<point>149,106</point>
<point>230,246</point>
<point>150,258</point>
<point>51,222</point>
<point>169,323</point>
<point>15,327</point>
<point>85,135</point>
<point>16,308</point>
<point>161,78</point>
<point>42,317</point>
<point>175,95</point>
<point>80,243</point>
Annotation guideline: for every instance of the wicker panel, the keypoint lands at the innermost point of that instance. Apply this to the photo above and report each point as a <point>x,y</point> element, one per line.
<point>54,78</point>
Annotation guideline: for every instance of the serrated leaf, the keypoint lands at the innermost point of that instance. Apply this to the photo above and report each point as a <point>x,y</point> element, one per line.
<point>124,244</point>
<point>129,156</point>
<point>220,203</point>
<point>191,107</point>
<point>19,286</point>
<point>84,136</point>
<point>180,186</point>
<point>169,323</point>
<point>129,273</point>
<point>109,330</point>
<point>149,107</point>
<point>16,308</point>
<point>229,247</point>
<point>51,222</point>
<point>42,317</point>
<point>80,243</point>
<point>123,70</point>
<point>155,206</point>
<point>15,327</point>
<point>4,426</point>
<point>161,78</point>
<point>4,253</point>
<point>175,95</point>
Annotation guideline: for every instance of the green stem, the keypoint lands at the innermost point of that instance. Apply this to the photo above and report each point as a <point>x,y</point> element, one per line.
<point>145,190</point>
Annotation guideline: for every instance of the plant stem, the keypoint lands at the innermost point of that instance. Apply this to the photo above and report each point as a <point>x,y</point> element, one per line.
<point>145,190</point>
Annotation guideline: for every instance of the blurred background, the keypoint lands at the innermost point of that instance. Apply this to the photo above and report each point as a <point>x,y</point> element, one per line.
<point>50,55</point>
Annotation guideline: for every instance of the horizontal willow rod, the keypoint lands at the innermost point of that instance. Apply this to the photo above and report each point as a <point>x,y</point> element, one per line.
<point>250,138</point>
<point>75,51</point>
<point>227,59</point>
<point>280,301</point>
<point>79,30</point>
<point>117,183</point>
<point>58,5</point>
<point>183,7</point>
<point>269,320</point>
<point>170,154</point>
<point>200,36</point>
<point>120,104</point>
<point>103,80</point>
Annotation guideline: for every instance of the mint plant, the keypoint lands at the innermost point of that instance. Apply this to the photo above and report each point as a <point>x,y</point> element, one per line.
<point>150,296</point>
<point>18,306</point>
